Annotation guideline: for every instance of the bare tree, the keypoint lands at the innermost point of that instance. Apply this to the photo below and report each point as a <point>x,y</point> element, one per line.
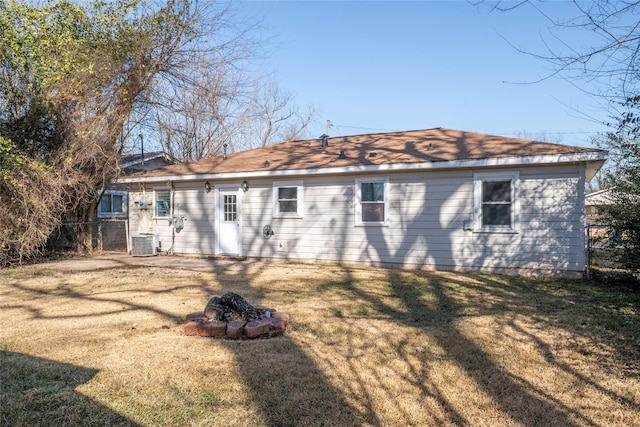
<point>273,117</point>
<point>609,65</point>
<point>540,136</point>
<point>193,123</point>
<point>222,110</point>
<point>612,65</point>
<point>74,74</point>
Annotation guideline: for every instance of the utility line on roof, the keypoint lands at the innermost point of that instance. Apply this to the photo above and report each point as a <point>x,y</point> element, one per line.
<point>364,128</point>
<point>512,134</point>
<point>593,132</point>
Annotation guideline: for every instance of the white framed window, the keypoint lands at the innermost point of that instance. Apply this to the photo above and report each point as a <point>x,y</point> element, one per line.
<point>496,203</point>
<point>113,204</point>
<point>288,199</point>
<point>372,201</point>
<point>161,202</point>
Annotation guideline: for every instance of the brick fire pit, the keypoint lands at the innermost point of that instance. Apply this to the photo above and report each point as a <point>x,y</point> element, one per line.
<point>232,317</point>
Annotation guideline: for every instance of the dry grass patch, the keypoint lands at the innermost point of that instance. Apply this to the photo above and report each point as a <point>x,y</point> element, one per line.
<point>365,346</point>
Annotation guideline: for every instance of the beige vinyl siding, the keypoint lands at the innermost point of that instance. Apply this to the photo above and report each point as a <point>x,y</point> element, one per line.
<point>427,214</point>
<point>328,230</point>
<point>197,206</point>
<point>189,200</point>
<point>550,236</point>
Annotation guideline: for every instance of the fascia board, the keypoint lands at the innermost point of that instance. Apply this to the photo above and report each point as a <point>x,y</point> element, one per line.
<point>454,164</point>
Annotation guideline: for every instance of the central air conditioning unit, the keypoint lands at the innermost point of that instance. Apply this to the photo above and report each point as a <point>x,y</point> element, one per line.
<point>144,244</point>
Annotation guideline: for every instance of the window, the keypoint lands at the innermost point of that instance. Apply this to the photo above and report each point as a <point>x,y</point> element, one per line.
<point>372,202</point>
<point>288,199</point>
<point>162,203</point>
<point>230,208</point>
<point>495,201</point>
<point>113,204</point>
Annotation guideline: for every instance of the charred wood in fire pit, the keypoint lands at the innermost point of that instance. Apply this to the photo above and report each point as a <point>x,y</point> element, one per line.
<point>240,305</point>
<point>229,308</point>
<point>215,309</point>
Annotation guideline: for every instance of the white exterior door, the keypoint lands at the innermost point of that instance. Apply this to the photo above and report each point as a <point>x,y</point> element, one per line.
<point>228,222</point>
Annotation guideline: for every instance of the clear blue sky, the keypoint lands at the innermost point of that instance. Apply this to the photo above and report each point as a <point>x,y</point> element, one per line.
<point>378,66</point>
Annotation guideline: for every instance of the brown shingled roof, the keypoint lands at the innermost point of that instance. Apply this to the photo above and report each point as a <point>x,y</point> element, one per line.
<point>420,146</point>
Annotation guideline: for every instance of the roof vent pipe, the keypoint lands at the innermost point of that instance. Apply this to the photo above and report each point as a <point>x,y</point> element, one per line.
<point>342,156</point>
<point>325,140</point>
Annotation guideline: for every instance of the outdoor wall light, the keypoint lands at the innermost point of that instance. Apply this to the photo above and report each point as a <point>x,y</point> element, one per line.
<point>244,186</point>
<point>207,187</point>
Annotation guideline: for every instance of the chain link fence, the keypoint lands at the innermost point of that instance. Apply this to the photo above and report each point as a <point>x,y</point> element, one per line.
<point>602,245</point>
<point>109,235</point>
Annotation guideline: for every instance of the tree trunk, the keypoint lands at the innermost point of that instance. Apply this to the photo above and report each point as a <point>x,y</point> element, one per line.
<point>83,230</point>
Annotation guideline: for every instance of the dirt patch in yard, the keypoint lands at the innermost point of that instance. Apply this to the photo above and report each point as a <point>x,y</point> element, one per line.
<point>364,346</point>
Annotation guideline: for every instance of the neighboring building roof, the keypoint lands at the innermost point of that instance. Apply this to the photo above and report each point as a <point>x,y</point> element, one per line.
<point>430,148</point>
<point>130,160</point>
<point>602,197</point>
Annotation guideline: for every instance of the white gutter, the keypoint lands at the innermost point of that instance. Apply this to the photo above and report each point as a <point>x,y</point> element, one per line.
<point>595,156</point>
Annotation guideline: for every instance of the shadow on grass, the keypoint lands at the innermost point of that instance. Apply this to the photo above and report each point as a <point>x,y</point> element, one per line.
<point>40,392</point>
<point>289,389</point>
<point>287,386</point>
<point>596,310</point>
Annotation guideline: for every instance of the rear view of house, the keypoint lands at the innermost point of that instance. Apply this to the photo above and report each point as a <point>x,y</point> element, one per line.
<point>435,198</point>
